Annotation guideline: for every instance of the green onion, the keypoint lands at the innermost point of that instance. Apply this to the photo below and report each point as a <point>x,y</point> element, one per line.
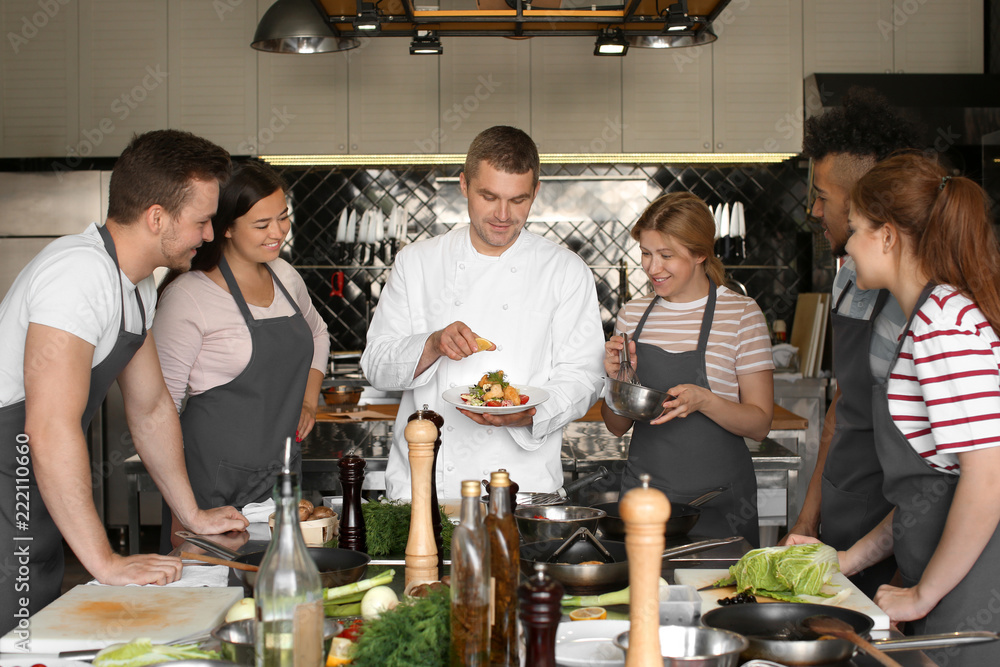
<point>607,599</point>
<point>336,594</point>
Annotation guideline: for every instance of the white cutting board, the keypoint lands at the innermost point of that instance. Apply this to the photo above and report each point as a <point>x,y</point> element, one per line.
<point>89,617</point>
<point>857,600</point>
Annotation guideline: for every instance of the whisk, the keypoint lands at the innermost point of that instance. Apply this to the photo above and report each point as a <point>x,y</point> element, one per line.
<point>625,371</point>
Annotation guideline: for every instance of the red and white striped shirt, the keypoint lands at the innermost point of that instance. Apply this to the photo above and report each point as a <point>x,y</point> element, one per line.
<point>944,390</point>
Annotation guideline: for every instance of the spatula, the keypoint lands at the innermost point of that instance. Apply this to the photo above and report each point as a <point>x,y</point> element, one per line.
<point>828,625</point>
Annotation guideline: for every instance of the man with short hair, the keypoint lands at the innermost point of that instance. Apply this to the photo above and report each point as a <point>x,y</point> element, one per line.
<point>844,500</point>
<point>534,299</point>
<point>73,322</point>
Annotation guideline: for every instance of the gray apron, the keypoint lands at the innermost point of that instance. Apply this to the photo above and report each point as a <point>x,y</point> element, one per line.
<point>234,434</point>
<point>922,496</point>
<point>39,577</point>
<point>852,501</point>
<point>691,456</point>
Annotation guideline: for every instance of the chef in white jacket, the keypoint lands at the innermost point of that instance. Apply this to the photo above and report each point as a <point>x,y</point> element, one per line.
<point>534,299</point>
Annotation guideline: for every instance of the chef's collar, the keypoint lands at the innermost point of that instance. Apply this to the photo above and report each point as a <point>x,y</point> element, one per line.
<point>494,258</point>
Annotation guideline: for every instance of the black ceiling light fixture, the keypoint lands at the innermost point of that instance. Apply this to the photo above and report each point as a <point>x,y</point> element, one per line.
<point>367,21</point>
<point>677,18</point>
<point>678,40</point>
<point>297,26</point>
<point>611,42</point>
<point>426,43</point>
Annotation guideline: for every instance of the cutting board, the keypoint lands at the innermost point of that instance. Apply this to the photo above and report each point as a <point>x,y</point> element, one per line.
<point>699,578</point>
<point>89,617</point>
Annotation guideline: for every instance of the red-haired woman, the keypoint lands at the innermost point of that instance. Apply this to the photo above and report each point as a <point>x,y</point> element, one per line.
<point>926,236</point>
<point>709,348</point>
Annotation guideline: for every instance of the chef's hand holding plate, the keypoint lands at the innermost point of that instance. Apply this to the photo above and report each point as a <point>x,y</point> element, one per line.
<point>684,400</point>
<point>522,418</point>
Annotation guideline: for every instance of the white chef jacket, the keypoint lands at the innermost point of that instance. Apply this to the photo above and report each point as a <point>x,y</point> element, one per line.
<point>538,303</point>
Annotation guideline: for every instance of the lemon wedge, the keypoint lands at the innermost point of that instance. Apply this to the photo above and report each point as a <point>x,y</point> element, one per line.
<point>588,614</point>
<point>485,345</point>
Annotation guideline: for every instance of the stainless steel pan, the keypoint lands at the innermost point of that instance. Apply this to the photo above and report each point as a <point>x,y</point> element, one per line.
<point>683,517</point>
<point>569,561</point>
<point>775,632</point>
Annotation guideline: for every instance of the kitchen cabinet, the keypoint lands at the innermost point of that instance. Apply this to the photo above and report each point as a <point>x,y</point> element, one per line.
<point>302,107</point>
<point>576,97</point>
<point>667,100</point>
<point>886,36</point>
<point>39,69</point>
<point>485,81</point>
<point>212,89</point>
<point>392,99</point>
<point>124,72</point>
<point>757,77</point>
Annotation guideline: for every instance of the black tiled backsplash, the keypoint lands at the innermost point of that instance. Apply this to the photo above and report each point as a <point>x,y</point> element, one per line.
<point>588,208</point>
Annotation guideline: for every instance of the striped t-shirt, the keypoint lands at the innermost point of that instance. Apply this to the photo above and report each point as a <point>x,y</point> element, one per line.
<point>738,344</point>
<point>944,390</point>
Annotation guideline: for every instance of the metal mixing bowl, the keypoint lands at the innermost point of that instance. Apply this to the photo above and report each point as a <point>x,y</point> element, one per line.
<point>560,521</point>
<point>634,401</point>
<point>342,395</point>
<point>236,639</point>
<point>683,646</point>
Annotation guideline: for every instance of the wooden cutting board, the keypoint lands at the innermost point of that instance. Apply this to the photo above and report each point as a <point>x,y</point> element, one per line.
<point>857,600</point>
<point>89,617</point>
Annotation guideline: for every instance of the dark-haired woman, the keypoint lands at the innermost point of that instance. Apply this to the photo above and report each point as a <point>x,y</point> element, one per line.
<point>240,338</point>
<point>709,348</point>
<point>926,237</point>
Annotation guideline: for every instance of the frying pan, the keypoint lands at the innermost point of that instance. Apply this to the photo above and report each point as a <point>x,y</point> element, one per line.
<point>559,497</point>
<point>765,624</point>
<point>337,567</point>
<point>683,517</point>
<point>578,577</point>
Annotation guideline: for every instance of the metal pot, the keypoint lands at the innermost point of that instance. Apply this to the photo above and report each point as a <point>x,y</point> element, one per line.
<point>236,639</point>
<point>569,561</point>
<point>634,401</point>
<point>558,522</point>
<point>775,632</point>
<point>337,567</point>
<point>683,646</point>
<point>683,517</point>
<point>558,497</point>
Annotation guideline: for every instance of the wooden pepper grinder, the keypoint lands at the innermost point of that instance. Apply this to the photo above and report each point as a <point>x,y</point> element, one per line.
<point>421,554</point>
<point>352,524</point>
<point>540,598</point>
<point>438,421</point>
<point>645,512</point>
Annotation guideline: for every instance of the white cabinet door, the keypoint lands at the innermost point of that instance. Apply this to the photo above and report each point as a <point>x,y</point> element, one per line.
<point>667,100</point>
<point>124,76</point>
<point>39,71</point>
<point>213,72</point>
<point>937,36</point>
<point>576,97</point>
<point>847,36</point>
<point>393,98</point>
<point>485,81</point>
<point>757,65</point>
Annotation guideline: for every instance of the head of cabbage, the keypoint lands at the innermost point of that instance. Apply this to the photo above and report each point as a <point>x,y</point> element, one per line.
<point>796,573</point>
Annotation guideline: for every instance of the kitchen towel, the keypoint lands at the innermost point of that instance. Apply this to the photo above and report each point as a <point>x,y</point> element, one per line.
<point>259,512</point>
<point>193,576</point>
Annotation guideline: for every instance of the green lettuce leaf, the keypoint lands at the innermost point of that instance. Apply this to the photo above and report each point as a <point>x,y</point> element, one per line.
<point>792,571</point>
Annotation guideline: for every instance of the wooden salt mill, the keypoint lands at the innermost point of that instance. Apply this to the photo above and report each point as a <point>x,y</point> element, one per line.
<point>645,512</point>
<point>436,419</point>
<point>421,553</point>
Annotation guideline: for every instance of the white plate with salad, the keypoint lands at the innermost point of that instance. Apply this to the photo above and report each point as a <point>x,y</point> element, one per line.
<point>536,396</point>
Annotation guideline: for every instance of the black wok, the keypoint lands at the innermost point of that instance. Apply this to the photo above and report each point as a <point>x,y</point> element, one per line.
<point>776,632</point>
<point>337,567</point>
<point>578,577</point>
<point>683,517</point>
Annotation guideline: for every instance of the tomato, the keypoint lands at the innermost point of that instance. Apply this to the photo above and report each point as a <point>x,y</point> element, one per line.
<point>494,403</point>
<point>352,631</point>
<point>524,398</point>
